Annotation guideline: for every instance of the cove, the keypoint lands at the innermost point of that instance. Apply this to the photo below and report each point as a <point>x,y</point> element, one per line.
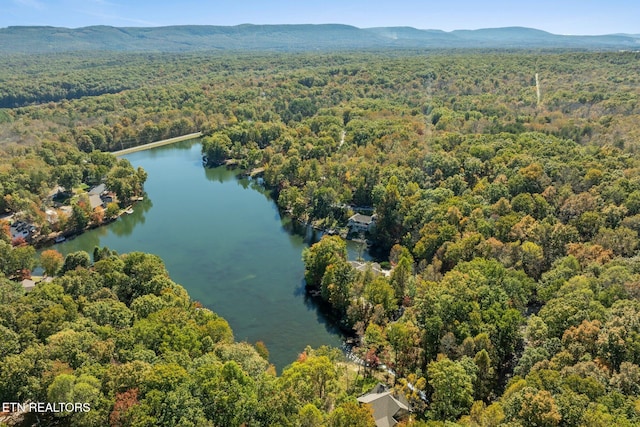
<point>224,240</point>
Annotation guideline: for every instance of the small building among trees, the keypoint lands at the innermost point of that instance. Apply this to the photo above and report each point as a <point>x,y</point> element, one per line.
<point>387,408</point>
<point>361,223</point>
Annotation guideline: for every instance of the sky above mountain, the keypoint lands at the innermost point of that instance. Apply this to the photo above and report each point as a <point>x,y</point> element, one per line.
<point>583,17</point>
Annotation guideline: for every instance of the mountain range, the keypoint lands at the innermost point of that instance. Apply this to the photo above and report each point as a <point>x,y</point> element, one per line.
<point>304,37</point>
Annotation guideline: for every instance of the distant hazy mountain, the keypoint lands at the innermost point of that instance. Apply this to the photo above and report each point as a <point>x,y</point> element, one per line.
<point>290,38</point>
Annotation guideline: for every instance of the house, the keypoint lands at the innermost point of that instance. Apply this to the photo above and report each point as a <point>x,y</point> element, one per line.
<point>95,200</point>
<point>28,284</point>
<point>98,190</point>
<point>387,408</point>
<point>361,223</point>
<point>374,266</point>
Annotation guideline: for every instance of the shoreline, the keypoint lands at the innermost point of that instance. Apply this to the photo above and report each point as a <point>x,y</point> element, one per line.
<point>49,240</point>
<point>156,144</point>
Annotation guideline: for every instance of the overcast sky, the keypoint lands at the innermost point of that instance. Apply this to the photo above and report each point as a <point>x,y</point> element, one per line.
<point>556,16</point>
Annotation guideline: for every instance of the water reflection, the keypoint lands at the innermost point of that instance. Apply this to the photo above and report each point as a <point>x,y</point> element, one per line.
<point>89,239</point>
<point>244,183</point>
<point>322,310</point>
<point>125,225</point>
<point>219,174</point>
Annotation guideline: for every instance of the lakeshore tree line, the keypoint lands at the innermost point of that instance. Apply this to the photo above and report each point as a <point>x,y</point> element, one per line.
<point>511,223</point>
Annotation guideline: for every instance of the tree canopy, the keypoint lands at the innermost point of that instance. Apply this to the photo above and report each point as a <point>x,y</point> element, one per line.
<point>510,222</point>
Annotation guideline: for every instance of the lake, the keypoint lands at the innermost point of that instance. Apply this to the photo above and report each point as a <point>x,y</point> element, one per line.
<point>224,240</point>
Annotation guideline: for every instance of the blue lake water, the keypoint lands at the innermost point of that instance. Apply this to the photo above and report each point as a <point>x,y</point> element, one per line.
<point>224,240</point>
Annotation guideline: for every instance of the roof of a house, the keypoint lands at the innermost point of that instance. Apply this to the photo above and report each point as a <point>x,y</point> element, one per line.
<point>98,189</point>
<point>28,284</point>
<point>385,406</point>
<point>95,200</point>
<point>365,219</point>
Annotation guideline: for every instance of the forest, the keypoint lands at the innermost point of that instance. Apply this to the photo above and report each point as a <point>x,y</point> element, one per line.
<point>506,186</point>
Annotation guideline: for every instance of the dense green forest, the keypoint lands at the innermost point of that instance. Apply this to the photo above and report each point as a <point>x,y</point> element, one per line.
<point>122,337</point>
<point>507,192</point>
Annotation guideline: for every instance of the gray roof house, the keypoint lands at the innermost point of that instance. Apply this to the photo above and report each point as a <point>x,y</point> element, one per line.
<point>98,189</point>
<point>95,200</point>
<point>359,222</point>
<point>387,408</point>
